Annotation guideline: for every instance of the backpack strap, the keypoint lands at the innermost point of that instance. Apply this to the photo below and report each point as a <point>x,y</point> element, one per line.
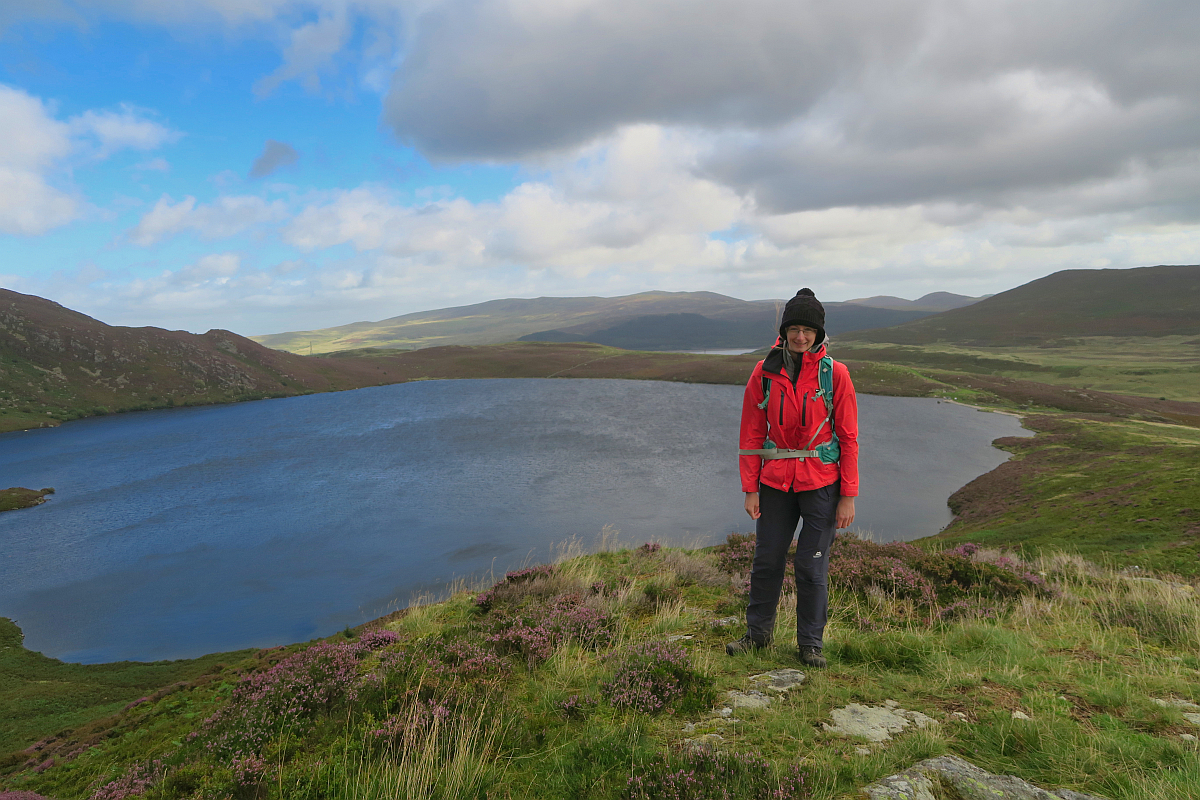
<point>828,452</point>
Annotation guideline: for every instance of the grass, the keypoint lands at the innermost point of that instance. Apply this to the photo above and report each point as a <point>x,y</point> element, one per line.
<point>44,696</point>
<point>1152,366</point>
<point>1122,492</point>
<point>433,709</point>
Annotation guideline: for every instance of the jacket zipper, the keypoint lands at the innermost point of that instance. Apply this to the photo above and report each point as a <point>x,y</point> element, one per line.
<point>804,411</point>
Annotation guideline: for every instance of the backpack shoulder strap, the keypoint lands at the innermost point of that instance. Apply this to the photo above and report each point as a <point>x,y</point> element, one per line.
<point>825,381</point>
<point>766,391</point>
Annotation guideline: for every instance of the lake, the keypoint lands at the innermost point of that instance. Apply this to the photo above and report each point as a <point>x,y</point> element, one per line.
<point>182,532</point>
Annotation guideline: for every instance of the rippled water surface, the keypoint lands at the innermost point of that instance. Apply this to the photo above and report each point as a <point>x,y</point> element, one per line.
<point>182,532</point>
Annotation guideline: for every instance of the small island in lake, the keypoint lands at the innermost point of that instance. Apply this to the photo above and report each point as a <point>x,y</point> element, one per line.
<point>17,497</point>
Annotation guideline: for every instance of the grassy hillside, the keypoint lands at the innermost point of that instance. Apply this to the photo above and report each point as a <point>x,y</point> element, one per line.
<point>57,364</point>
<point>1119,491</point>
<point>1166,367</point>
<point>499,321</point>
<point>1148,301</point>
<point>42,696</point>
<point>697,332</point>
<point>933,302</point>
<point>633,319</point>
<point>595,676</point>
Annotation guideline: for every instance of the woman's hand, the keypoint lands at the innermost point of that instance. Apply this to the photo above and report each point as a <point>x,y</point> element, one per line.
<point>752,506</point>
<point>845,511</point>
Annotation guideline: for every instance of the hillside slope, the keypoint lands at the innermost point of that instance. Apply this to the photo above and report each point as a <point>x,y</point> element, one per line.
<point>1146,301</point>
<point>932,302</point>
<point>697,332</point>
<point>637,320</point>
<point>57,364</point>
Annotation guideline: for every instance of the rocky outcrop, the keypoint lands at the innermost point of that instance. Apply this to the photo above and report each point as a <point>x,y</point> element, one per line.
<point>875,723</point>
<point>952,778</point>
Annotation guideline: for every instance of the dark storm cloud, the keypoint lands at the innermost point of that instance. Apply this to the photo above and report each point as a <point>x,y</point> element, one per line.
<point>814,104</point>
<point>274,155</point>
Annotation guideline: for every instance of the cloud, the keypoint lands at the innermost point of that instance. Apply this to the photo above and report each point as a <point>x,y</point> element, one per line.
<point>36,193</point>
<point>34,143</point>
<point>624,203</point>
<point>815,105</point>
<point>310,50</point>
<point>217,267</point>
<point>274,155</point>
<point>227,216</point>
<point>127,128</point>
<point>158,164</point>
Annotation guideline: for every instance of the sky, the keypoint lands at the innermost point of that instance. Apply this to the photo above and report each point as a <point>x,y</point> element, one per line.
<point>274,165</point>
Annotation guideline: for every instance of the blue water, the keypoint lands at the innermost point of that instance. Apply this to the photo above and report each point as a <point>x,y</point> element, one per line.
<point>182,532</point>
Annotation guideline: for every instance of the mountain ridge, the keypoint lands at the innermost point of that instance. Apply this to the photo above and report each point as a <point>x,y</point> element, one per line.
<point>577,319</point>
<point>1162,300</point>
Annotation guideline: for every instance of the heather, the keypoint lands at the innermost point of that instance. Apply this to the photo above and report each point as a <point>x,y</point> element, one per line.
<point>596,676</point>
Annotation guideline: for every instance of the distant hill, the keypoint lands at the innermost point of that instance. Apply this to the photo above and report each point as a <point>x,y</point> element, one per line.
<point>646,321</point>
<point>932,302</point>
<point>1145,301</point>
<point>58,364</point>
<point>697,332</point>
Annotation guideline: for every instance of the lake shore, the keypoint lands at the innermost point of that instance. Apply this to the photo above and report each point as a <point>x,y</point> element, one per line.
<point>968,380</point>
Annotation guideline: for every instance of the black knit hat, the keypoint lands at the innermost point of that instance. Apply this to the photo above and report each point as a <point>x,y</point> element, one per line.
<point>804,309</point>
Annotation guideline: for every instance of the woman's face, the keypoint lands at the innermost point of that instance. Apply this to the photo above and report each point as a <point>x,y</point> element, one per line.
<point>800,338</point>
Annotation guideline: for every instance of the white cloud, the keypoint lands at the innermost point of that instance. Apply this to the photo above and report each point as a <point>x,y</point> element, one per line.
<point>127,128</point>
<point>34,143</point>
<point>36,193</point>
<point>227,216</point>
<point>216,268</point>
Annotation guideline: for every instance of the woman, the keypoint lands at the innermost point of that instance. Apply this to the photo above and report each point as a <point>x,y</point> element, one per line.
<point>787,475</point>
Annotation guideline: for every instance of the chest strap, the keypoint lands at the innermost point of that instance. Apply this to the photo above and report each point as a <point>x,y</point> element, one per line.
<point>769,454</point>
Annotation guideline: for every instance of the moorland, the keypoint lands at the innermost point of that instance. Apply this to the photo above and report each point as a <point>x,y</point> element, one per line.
<point>1051,631</point>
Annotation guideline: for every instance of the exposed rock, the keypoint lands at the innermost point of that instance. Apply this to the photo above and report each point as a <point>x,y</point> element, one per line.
<point>901,787</point>
<point>723,621</point>
<point>1187,737</point>
<point>1018,714</point>
<point>863,751</point>
<point>874,723</point>
<point>965,780</point>
<point>707,740</point>
<point>679,637</point>
<point>779,680</point>
<point>753,699</point>
<point>1173,703</point>
<point>1191,711</point>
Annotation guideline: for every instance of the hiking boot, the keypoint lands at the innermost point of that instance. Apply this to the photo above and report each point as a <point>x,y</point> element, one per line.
<point>812,657</point>
<point>744,645</point>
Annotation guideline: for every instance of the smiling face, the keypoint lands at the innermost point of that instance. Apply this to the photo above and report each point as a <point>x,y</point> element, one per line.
<point>800,338</point>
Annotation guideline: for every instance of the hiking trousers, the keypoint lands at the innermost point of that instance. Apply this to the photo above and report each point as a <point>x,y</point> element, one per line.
<point>781,513</point>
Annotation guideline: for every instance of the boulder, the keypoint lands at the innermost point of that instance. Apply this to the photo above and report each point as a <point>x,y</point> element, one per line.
<point>753,699</point>
<point>874,723</point>
<point>950,776</point>
<point>778,680</point>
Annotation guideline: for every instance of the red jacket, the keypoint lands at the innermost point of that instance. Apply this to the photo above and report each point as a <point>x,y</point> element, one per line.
<point>795,413</point>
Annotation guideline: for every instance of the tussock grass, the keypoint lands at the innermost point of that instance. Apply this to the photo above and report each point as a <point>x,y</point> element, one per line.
<point>1082,651</point>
